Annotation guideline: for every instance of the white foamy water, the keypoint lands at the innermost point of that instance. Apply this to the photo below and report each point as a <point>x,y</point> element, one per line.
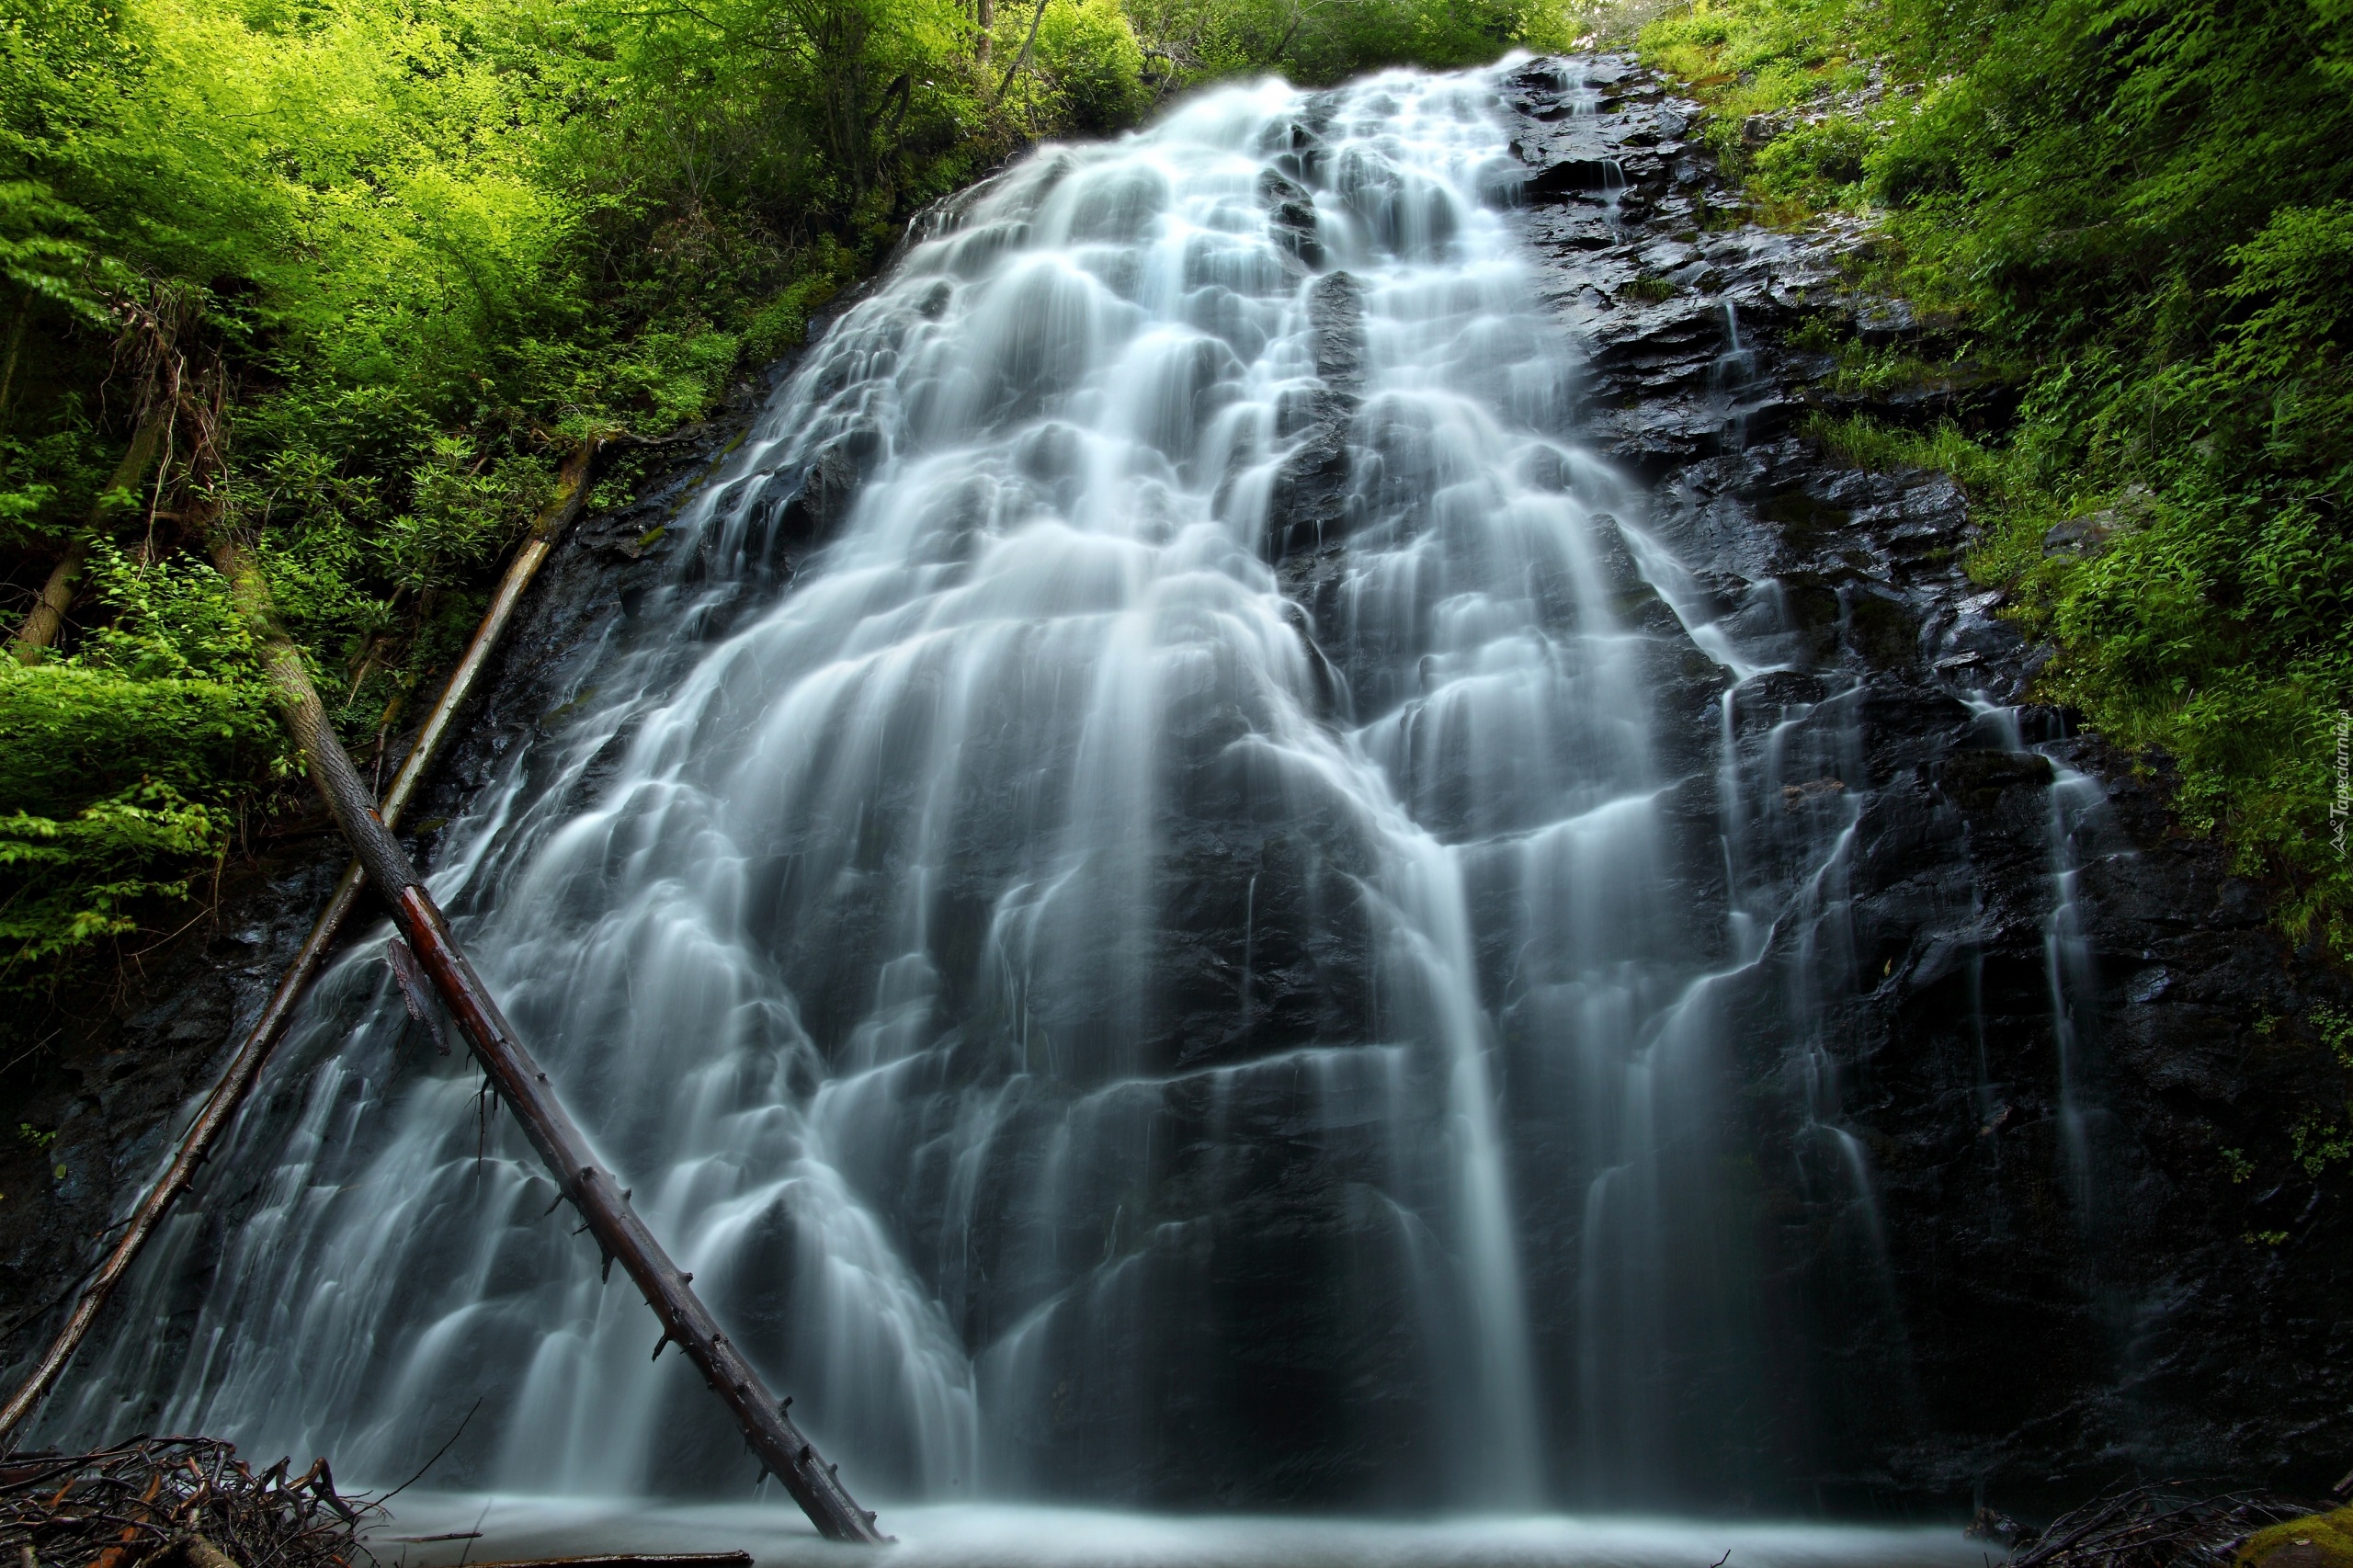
<point>970,1535</point>
<point>1128,973</point>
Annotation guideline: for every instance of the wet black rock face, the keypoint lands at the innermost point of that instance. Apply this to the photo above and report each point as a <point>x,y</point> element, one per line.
<point>96,1079</point>
<point>2070,1281</point>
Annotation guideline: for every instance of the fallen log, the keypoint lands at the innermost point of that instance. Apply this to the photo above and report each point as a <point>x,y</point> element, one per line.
<point>238,1077</point>
<point>601,1201</point>
<point>47,621</point>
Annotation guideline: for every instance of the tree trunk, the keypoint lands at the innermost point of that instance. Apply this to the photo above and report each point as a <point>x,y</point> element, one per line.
<point>1036,15</point>
<point>16,345</point>
<point>988,20</point>
<point>41,629</point>
<point>602,1202</point>
<point>221,1106</point>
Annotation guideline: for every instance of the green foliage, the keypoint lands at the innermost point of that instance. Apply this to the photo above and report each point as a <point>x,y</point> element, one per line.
<point>2142,210</point>
<point>463,511</point>
<point>117,782</point>
<point>1818,164</point>
<point>1865,443</point>
<point>2334,1030</point>
<point>72,881</point>
<point>2315,1143</point>
<point>2321,1139</point>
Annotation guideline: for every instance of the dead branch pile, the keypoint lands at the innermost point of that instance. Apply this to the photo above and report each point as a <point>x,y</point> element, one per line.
<point>2164,1525</point>
<point>172,1503</point>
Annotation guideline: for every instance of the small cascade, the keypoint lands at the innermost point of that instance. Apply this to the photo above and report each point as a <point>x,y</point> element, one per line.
<point>2075,830</point>
<point>2075,798</point>
<point>1731,379</point>
<point>1584,101</point>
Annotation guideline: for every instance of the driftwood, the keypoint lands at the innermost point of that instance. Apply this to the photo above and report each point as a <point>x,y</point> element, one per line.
<point>174,1502</point>
<point>221,1106</point>
<point>601,1201</point>
<point>2164,1525</point>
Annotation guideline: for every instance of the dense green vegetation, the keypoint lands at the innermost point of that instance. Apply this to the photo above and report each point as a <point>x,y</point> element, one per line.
<point>2139,215</point>
<point>350,276</point>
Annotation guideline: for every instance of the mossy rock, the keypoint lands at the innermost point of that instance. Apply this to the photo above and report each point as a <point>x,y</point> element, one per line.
<point>2317,1540</point>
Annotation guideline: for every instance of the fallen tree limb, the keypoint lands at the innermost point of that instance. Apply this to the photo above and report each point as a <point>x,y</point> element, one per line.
<point>221,1106</point>
<point>41,627</point>
<point>202,1554</point>
<point>601,1201</point>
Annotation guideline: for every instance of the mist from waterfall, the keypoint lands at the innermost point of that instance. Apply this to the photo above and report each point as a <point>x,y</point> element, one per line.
<point>1114,991</point>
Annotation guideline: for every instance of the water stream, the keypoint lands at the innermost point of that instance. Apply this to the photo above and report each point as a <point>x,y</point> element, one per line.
<point>1115,993</point>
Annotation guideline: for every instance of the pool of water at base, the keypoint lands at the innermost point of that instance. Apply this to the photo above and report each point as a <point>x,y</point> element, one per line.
<point>1015,1536</point>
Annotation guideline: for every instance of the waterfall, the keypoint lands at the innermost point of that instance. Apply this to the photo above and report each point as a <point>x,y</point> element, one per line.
<point>1122,905</point>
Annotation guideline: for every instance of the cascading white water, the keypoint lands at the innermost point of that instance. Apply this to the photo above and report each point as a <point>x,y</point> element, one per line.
<point>1086,1034</point>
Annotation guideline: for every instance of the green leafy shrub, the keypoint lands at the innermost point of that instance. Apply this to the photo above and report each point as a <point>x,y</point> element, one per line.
<point>1088,51</point>
<point>1820,165</point>
<point>115,783</point>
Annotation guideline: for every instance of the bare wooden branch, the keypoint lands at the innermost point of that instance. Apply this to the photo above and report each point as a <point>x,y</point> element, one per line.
<point>202,1554</point>
<point>601,1201</point>
<point>2168,1524</point>
<point>175,1503</point>
<point>243,1067</point>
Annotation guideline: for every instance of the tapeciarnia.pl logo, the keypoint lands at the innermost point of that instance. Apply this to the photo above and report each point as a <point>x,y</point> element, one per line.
<point>2340,807</point>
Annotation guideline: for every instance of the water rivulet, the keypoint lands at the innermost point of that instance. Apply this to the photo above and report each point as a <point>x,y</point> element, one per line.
<point>1178,893</point>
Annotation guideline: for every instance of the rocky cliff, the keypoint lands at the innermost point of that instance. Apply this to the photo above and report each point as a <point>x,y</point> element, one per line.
<point>2166,1297</point>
